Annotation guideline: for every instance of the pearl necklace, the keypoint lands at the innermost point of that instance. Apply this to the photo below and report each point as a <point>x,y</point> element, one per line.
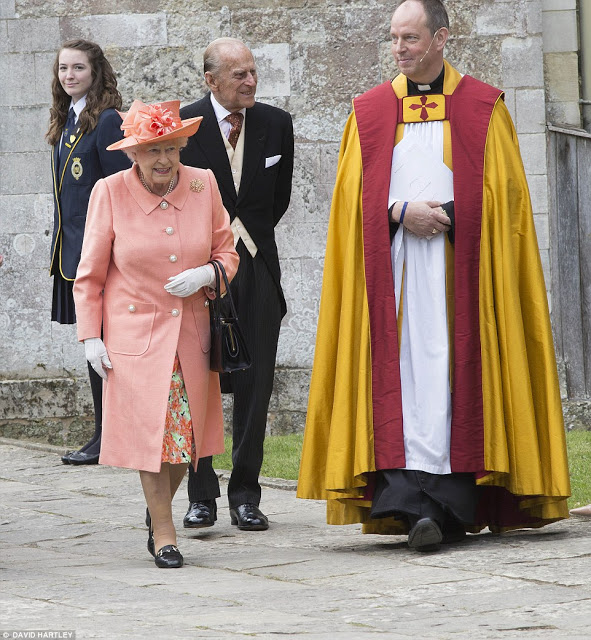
<point>170,186</point>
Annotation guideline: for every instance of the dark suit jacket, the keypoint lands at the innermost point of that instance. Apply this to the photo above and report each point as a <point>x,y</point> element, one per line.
<point>87,162</point>
<point>264,192</point>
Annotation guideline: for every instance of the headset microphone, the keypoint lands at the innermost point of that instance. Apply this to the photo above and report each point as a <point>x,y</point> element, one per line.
<point>429,47</point>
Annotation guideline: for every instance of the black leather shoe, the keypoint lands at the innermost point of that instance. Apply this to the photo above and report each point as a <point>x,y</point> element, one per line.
<point>66,457</point>
<point>81,457</point>
<point>249,517</point>
<point>449,537</point>
<point>452,530</point>
<point>425,535</point>
<point>201,514</point>
<point>169,557</point>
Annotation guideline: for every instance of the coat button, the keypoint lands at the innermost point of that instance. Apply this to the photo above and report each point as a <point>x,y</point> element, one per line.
<point>131,308</point>
<point>169,230</point>
<point>175,312</point>
<point>173,258</point>
<point>164,204</point>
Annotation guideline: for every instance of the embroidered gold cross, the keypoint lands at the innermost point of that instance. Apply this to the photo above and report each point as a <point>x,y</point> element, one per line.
<point>423,108</point>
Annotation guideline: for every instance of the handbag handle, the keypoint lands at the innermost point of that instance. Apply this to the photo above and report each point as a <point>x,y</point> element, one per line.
<point>219,267</point>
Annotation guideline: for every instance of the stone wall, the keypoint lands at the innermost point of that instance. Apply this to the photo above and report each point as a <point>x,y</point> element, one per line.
<point>561,62</point>
<point>313,56</point>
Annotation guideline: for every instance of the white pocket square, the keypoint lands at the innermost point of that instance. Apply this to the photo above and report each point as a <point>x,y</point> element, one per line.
<point>269,162</point>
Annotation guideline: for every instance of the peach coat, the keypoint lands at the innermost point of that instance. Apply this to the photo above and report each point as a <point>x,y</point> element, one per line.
<point>133,242</point>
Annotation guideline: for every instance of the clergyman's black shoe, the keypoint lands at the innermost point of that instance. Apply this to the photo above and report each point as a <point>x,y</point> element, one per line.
<point>169,557</point>
<point>425,535</point>
<point>249,517</point>
<point>81,457</point>
<point>453,532</point>
<point>201,514</point>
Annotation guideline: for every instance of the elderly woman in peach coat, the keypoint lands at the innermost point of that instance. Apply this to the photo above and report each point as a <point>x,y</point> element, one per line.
<point>142,291</point>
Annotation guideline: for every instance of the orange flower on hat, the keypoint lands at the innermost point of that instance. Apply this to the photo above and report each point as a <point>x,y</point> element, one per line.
<point>149,121</point>
<point>146,123</point>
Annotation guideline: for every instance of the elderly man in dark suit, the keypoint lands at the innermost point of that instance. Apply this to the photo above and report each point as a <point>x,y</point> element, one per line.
<point>249,147</point>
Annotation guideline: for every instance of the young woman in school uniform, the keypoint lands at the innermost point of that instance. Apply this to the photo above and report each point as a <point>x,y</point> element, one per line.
<point>83,123</point>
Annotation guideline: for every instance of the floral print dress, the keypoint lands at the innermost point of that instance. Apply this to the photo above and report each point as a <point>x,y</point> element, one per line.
<point>178,446</point>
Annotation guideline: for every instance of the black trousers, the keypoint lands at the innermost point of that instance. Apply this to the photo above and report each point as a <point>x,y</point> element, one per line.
<point>258,307</point>
<point>96,387</point>
<point>448,499</point>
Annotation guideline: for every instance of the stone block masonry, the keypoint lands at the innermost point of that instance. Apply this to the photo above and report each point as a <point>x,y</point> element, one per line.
<point>313,56</point>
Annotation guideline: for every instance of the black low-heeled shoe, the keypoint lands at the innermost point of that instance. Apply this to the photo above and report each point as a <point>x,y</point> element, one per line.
<point>151,541</point>
<point>169,557</point>
<point>81,457</point>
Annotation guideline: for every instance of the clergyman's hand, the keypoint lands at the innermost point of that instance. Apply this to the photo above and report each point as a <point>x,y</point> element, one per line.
<point>425,219</point>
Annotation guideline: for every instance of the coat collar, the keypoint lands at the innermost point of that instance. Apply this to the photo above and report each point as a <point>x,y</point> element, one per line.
<point>147,201</point>
<point>254,145</point>
<point>451,80</point>
<point>210,140</point>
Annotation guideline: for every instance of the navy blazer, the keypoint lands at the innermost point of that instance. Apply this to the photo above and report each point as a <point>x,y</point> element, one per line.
<point>88,161</point>
<point>264,193</point>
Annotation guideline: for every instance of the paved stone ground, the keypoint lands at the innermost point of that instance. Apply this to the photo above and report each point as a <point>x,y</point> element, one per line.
<point>73,557</point>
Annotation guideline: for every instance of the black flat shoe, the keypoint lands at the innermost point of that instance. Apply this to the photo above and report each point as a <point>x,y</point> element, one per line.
<point>81,457</point>
<point>201,514</point>
<point>425,535</point>
<point>169,557</point>
<point>248,517</point>
<point>66,457</point>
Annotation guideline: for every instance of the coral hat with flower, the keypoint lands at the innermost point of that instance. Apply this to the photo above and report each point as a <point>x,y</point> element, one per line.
<point>146,123</point>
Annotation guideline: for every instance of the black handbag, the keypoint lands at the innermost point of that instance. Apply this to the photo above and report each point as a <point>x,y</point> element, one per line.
<point>228,347</point>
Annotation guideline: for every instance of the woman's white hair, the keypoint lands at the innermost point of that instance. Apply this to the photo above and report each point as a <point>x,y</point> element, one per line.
<point>181,143</point>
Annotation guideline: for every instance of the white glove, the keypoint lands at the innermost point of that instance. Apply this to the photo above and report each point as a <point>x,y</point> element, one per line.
<point>96,354</point>
<point>190,281</point>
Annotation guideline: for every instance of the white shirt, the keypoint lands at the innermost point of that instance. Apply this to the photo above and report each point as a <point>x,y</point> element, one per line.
<point>78,108</point>
<point>238,229</point>
<point>221,113</point>
<point>77,111</point>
